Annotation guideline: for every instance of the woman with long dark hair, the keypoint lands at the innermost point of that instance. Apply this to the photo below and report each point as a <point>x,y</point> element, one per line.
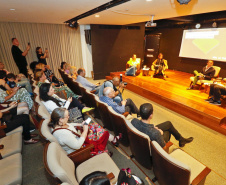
<point>42,56</point>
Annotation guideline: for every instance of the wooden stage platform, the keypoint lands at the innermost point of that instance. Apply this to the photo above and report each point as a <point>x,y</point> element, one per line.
<point>172,94</point>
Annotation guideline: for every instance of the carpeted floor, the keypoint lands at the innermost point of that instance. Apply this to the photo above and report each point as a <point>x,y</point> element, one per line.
<point>208,147</point>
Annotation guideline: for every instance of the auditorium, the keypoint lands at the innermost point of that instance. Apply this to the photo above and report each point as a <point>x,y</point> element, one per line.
<point>126,92</point>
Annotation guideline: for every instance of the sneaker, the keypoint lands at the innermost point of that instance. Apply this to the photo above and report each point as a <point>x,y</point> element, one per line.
<point>190,88</point>
<point>217,102</point>
<point>87,110</point>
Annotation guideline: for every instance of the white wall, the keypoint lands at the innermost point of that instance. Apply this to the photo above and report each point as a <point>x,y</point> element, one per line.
<point>86,51</point>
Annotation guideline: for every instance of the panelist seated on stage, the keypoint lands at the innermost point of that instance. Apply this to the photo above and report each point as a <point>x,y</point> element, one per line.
<point>159,66</point>
<point>133,65</point>
<point>206,74</point>
<point>216,90</point>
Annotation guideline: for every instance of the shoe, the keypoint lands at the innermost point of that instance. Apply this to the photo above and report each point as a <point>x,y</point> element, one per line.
<point>110,154</point>
<point>190,88</point>
<point>32,141</point>
<point>208,99</point>
<point>87,110</point>
<point>184,141</point>
<point>215,102</point>
<point>33,135</point>
<point>115,143</point>
<point>32,130</point>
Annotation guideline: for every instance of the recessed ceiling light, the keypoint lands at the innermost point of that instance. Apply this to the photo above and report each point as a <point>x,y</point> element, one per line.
<point>12,9</point>
<point>97,15</point>
<point>148,0</point>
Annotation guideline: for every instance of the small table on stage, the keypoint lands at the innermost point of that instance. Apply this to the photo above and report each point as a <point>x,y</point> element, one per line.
<point>145,72</point>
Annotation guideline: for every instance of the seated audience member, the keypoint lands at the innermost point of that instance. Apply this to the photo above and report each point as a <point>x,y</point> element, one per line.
<point>20,117</point>
<point>160,133</point>
<point>216,90</point>
<point>69,138</point>
<point>13,94</point>
<point>207,73</point>
<point>73,73</point>
<point>52,101</point>
<point>42,56</point>
<point>113,84</point>
<point>11,80</point>
<point>67,68</point>
<point>62,65</point>
<point>133,65</point>
<point>96,178</point>
<point>33,65</point>
<point>85,83</point>
<point>2,66</point>
<point>160,65</point>
<point>49,74</point>
<point>40,78</point>
<point>126,105</point>
<point>22,81</point>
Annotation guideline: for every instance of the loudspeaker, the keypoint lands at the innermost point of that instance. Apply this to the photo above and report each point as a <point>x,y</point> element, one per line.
<point>183,1</point>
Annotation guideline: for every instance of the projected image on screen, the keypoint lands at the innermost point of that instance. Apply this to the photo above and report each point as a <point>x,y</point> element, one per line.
<point>209,44</point>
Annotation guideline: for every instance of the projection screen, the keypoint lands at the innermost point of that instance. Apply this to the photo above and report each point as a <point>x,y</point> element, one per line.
<point>209,44</point>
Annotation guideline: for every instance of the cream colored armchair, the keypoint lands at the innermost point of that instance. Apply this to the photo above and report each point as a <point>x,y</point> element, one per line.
<point>177,168</point>
<point>63,168</point>
<point>201,82</point>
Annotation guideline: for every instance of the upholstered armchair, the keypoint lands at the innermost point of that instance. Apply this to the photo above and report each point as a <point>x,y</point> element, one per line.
<point>63,168</point>
<point>177,168</point>
<point>201,82</point>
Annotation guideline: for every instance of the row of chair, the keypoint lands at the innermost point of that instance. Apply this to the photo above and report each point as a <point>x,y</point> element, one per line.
<point>78,163</point>
<point>149,154</point>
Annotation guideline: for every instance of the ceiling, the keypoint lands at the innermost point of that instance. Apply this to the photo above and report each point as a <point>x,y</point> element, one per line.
<point>134,11</point>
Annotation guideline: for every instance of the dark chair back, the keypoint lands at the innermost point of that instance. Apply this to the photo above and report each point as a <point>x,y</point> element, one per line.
<point>139,146</point>
<point>166,169</point>
<point>119,125</point>
<point>104,114</point>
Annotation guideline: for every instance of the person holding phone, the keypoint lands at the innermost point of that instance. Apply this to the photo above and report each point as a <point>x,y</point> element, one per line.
<point>42,56</point>
<point>70,139</point>
<point>19,56</point>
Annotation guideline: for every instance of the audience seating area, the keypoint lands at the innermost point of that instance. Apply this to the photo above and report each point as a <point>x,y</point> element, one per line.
<point>71,168</point>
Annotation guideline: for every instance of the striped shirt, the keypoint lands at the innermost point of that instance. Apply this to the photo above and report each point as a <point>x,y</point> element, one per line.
<point>117,108</point>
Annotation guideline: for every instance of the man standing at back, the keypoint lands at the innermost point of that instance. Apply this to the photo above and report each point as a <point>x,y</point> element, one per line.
<point>19,56</point>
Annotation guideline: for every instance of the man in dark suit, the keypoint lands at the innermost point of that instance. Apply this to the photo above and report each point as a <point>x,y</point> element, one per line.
<point>207,73</point>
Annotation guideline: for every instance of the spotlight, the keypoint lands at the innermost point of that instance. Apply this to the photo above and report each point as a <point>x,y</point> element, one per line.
<point>73,24</point>
<point>183,1</point>
<point>214,25</point>
<point>198,25</point>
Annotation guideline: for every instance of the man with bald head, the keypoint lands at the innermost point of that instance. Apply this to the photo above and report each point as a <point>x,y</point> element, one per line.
<point>85,83</point>
<point>19,56</point>
<point>207,73</point>
<point>126,105</point>
<point>113,84</point>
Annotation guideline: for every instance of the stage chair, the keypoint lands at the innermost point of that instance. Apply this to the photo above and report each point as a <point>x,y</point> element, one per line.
<point>63,168</point>
<point>45,131</point>
<point>119,125</point>
<point>201,82</point>
<point>12,143</point>
<point>104,114</point>
<point>75,87</point>
<point>11,169</point>
<point>177,168</point>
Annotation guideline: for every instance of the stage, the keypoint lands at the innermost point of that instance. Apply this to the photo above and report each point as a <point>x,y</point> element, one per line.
<point>172,94</point>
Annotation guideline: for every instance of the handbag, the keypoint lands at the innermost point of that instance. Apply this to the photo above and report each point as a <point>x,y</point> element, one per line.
<point>125,177</point>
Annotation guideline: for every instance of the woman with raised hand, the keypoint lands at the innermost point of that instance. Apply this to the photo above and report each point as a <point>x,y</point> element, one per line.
<point>42,56</point>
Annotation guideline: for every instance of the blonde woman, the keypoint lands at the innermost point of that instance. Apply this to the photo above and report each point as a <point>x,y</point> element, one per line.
<point>73,72</point>
<point>40,78</point>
